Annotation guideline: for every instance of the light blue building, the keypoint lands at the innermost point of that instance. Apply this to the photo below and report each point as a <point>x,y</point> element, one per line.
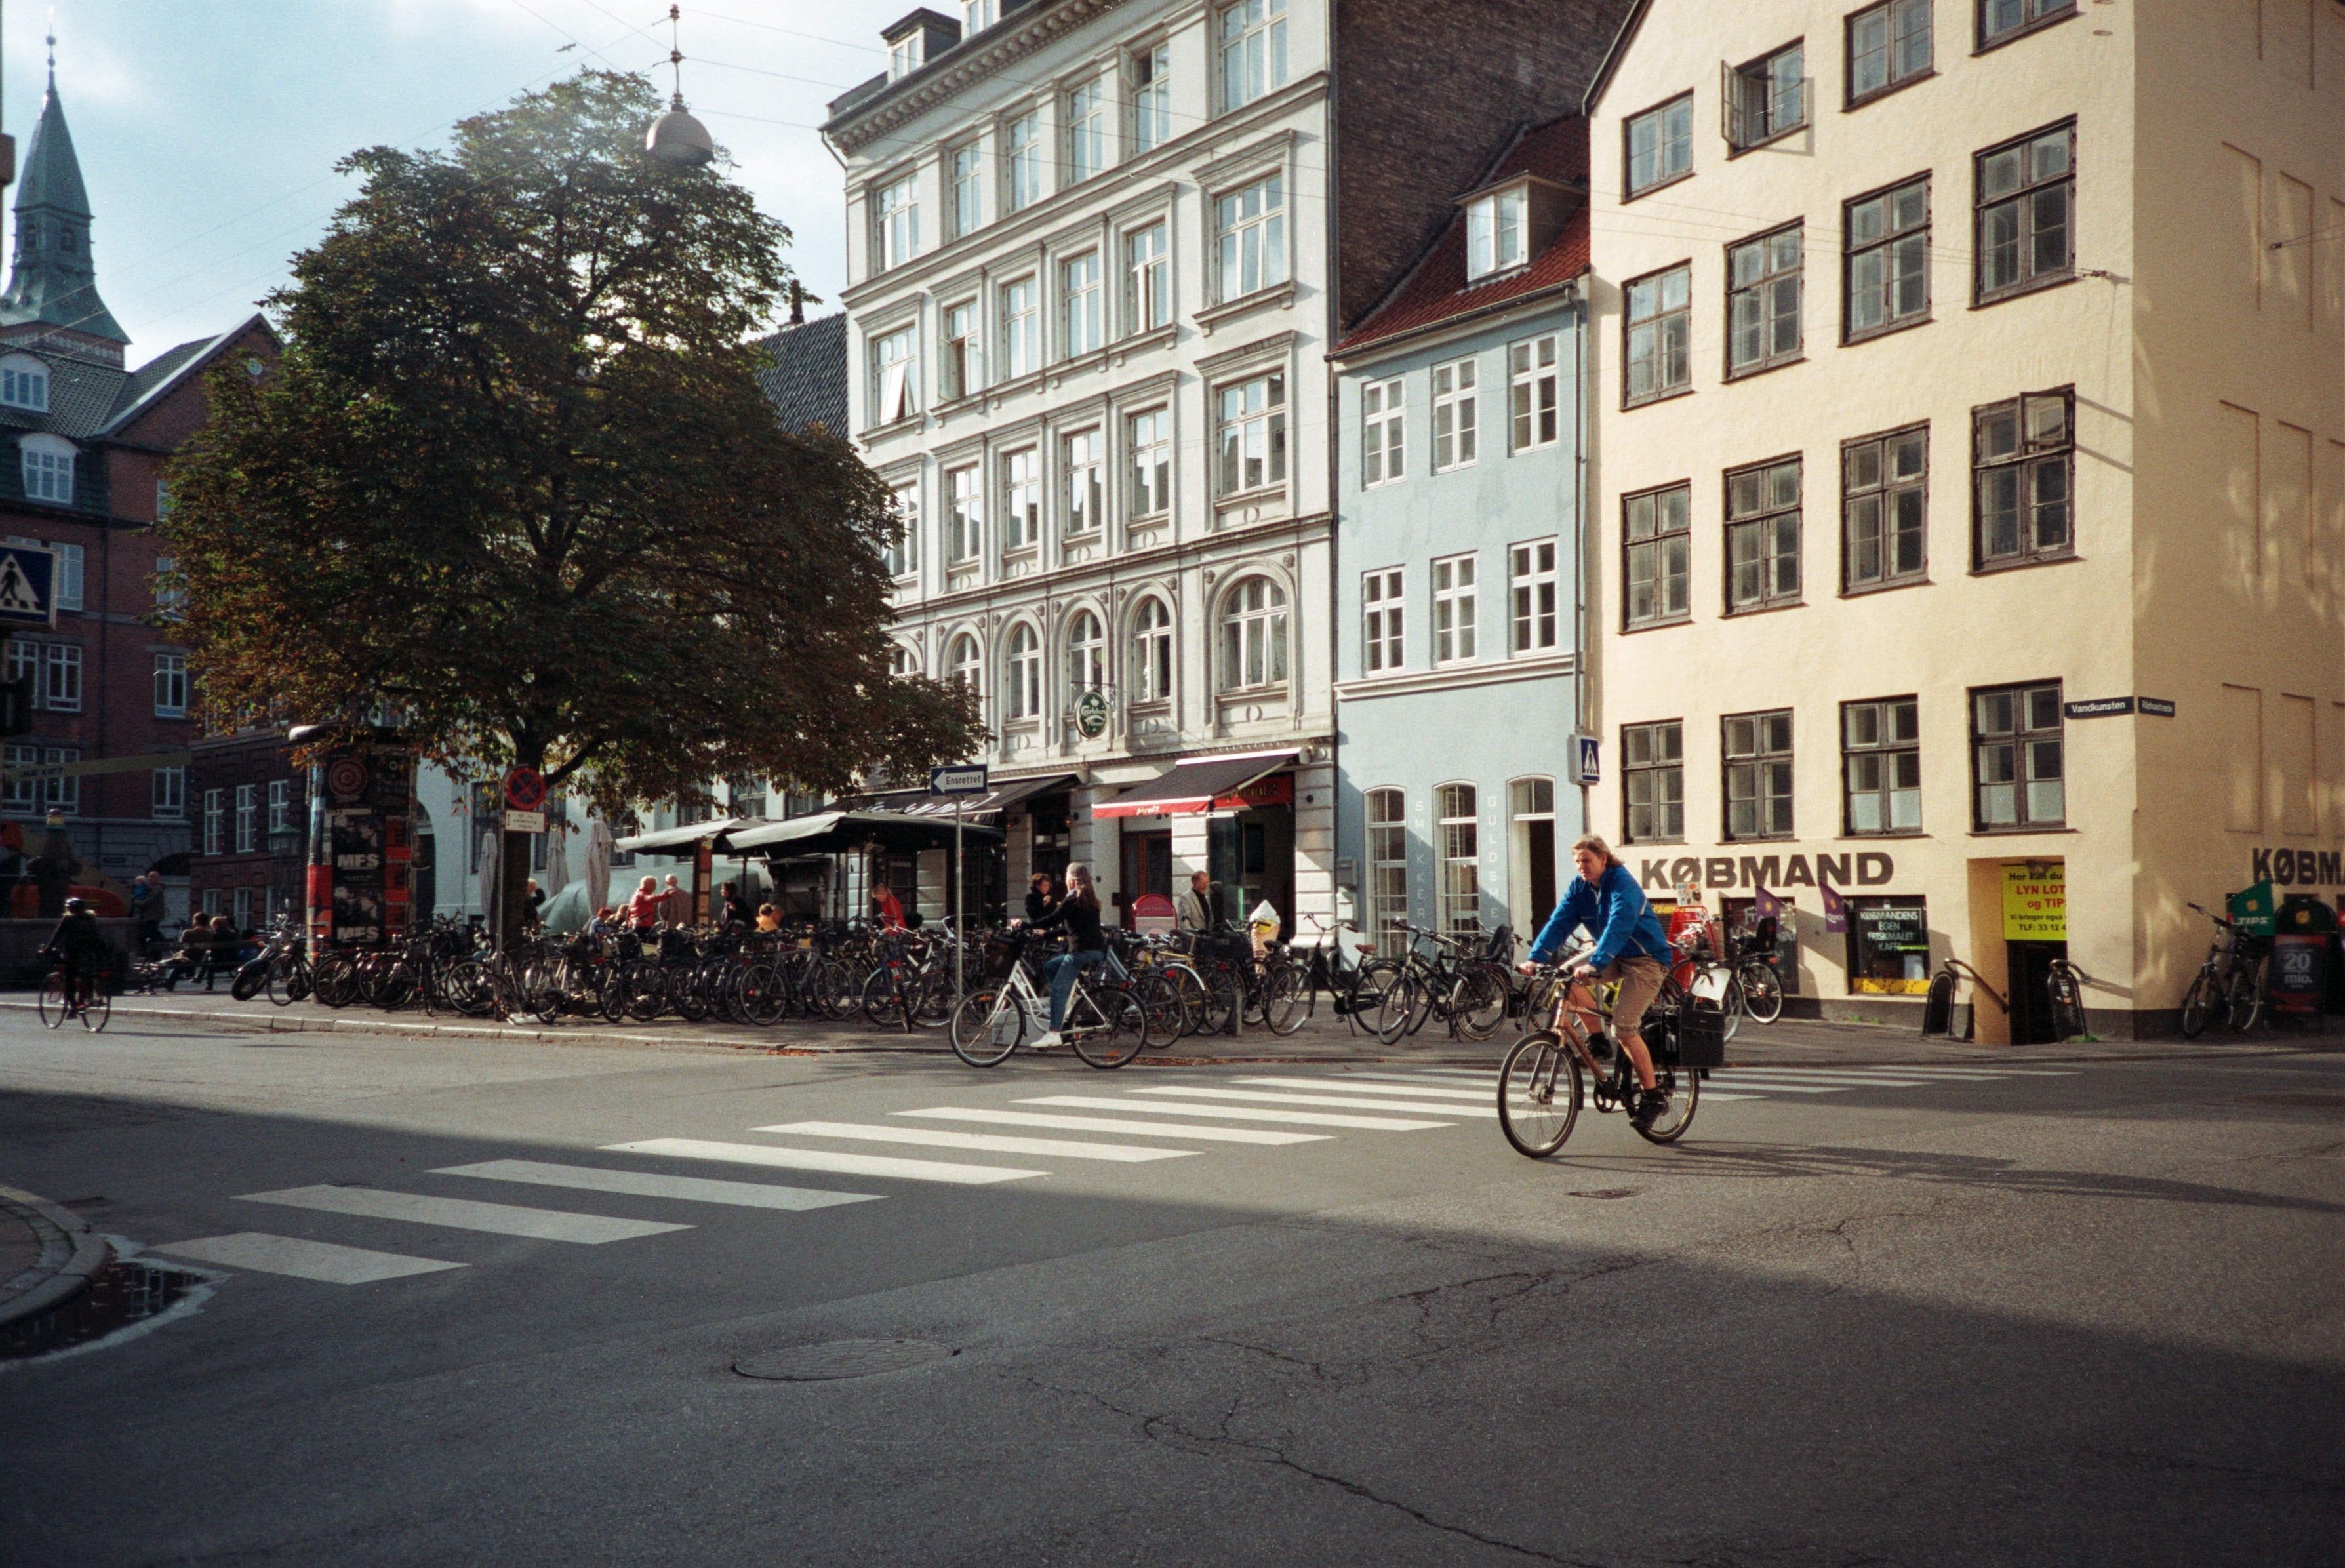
<point>1458,553</point>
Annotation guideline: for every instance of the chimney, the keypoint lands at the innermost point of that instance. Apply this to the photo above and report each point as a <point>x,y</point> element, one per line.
<point>797,304</point>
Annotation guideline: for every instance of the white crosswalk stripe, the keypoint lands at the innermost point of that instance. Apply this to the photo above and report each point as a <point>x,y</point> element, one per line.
<point>1350,1082</point>
<point>1355,1103</point>
<point>462,1214</point>
<point>652,1184</point>
<point>1064,1148</point>
<point>323,1261</point>
<point>1760,1083</point>
<point>823,1160</point>
<point>1113,1125</point>
<point>1237,1113</point>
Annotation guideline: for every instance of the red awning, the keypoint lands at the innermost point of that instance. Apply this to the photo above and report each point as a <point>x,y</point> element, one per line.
<point>1193,785</point>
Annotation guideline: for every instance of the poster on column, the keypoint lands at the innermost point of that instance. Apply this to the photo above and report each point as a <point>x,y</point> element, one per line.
<point>363,857</point>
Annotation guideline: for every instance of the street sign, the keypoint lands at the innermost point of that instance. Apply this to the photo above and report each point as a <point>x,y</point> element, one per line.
<point>28,574</point>
<point>1587,759</point>
<point>525,822</point>
<point>524,789</point>
<point>1090,715</point>
<point>960,778</point>
<point>2098,708</point>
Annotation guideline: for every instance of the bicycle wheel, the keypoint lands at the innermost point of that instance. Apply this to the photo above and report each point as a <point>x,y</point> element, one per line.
<point>1168,1019</point>
<point>53,1000</point>
<point>1110,1029</point>
<point>1385,1000</point>
<point>2243,995</point>
<point>2067,1000</point>
<point>1283,1002</point>
<point>883,1006</point>
<point>1684,1086</point>
<point>1221,999</point>
<point>1539,1094</point>
<point>1191,990</point>
<point>98,1005</point>
<point>1763,992</point>
<point>1732,1004</point>
<point>467,988</point>
<point>1421,998</point>
<point>1477,1002</point>
<point>978,1037</point>
<point>2198,1004</point>
<point>334,980</point>
<point>932,998</point>
<point>280,983</point>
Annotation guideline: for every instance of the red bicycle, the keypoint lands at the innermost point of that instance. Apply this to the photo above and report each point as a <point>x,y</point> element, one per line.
<point>92,1001</point>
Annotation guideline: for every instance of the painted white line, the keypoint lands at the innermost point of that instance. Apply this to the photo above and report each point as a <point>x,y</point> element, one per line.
<point>1113,1125</point>
<point>822,1160</point>
<point>1237,1113</point>
<point>1267,1097</point>
<point>651,1184</point>
<point>1437,1073</point>
<point>1346,1083</point>
<point>1980,1074</point>
<point>320,1260</point>
<point>1754,1080</point>
<point>1763,1090</point>
<point>990,1142</point>
<point>461,1213</point>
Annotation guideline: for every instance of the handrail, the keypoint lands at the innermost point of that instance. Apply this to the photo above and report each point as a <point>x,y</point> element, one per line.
<point>1979,980</point>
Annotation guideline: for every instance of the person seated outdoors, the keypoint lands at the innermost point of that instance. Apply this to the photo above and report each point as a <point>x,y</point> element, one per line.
<point>192,956</point>
<point>768,918</point>
<point>736,913</point>
<point>80,948</point>
<point>605,921</point>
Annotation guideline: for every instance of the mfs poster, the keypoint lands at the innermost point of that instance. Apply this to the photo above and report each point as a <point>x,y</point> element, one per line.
<point>361,844</point>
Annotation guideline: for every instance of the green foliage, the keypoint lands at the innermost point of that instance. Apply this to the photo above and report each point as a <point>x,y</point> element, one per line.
<point>514,478</point>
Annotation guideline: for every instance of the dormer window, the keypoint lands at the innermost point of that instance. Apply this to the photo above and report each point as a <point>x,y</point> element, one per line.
<point>980,14</point>
<point>25,384</point>
<point>904,55</point>
<point>1498,232</point>
<point>48,469</point>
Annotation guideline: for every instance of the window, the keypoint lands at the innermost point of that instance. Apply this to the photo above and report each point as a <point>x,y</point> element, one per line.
<point>959,374</point>
<point>1149,436</point>
<point>1757,750</point>
<point>1078,305</point>
<point>1147,280</point>
<point>1021,496</point>
<point>903,662</point>
<point>1888,267</point>
<point>61,677</point>
<point>1021,156</point>
<point>1251,223</point>
<point>1380,621</point>
<point>1084,109</point>
<point>1530,574</point>
<point>1659,145</point>
<point>904,54</point>
<point>1653,781</point>
<point>979,15</point>
<point>1022,329</point>
<point>170,794</point>
<point>2023,457</point>
<point>1453,609</point>
<point>1152,647</point>
<point>903,552</point>
<point>1883,482</point>
<point>2001,19</point>
<point>1889,946</point>
<point>61,792</point>
<point>1152,97</point>
<point>1253,50</point>
<point>24,663</point>
<point>1498,232</point>
<point>2025,192</point>
<point>1455,424</point>
<point>964,515</point>
<point>1025,672</point>
<point>242,903</point>
<point>72,563</point>
<point>1461,858</point>
<point>170,685</point>
<point>20,793</point>
<point>170,597</point>
<point>1253,634</point>
<point>967,664</point>
<point>1762,302</point>
<point>895,372</point>
<point>1531,393</point>
<point>1888,45</point>
<point>281,805</point>
<point>1253,433</point>
<point>1762,537</point>
<point>1766,98</point>
<point>1388,867</point>
<point>1659,321</point>
<point>1380,431</point>
<point>1880,758</point>
<point>1086,654</point>
<point>25,384</point>
<point>2015,751</point>
<point>1082,458</point>
<point>965,189</point>
<point>895,224</point>
<point>1657,539</point>
<point>248,818</point>
<point>215,819</point>
<point>48,469</point>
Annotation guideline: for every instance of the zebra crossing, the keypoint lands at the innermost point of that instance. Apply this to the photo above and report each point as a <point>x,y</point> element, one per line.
<point>1030,1139</point>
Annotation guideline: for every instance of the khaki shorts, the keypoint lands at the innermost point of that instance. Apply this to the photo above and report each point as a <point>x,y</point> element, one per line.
<point>1641,981</point>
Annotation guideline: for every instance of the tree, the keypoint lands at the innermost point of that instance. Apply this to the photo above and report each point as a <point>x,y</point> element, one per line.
<point>513,479</point>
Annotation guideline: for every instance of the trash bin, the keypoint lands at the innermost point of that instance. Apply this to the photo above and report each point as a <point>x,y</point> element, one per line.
<point>2304,972</point>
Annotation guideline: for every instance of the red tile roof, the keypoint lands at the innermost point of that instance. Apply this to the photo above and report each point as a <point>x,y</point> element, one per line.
<point>1435,290</point>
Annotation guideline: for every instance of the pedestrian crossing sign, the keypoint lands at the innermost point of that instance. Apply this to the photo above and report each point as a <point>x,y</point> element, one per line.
<point>27,576</point>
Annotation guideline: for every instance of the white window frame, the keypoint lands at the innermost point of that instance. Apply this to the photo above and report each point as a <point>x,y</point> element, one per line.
<point>965,187</point>
<point>967,663</point>
<point>964,514</point>
<point>1250,238</point>
<point>281,805</point>
<point>215,820</point>
<point>1151,96</point>
<point>170,603</point>
<point>895,222</point>
<point>169,799</point>
<point>170,685</point>
<point>1251,428</point>
<point>979,15</point>
<point>1534,406</point>
<point>248,818</point>
<point>61,672</point>
<point>1387,822</point>
<point>61,792</point>
<point>1148,278</point>
<point>1250,50</point>
<point>905,55</point>
<point>25,384</point>
<point>1253,634</point>
<point>48,469</point>
<point>1459,823</point>
<point>1083,140</point>
<point>73,579</point>
<point>1382,615</point>
<point>1081,328</point>
<point>20,795</point>
<point>1022,665</point>
<point>1384,432</point>
<point>1457,415</point>
<point>1151,642</point>
<point>1533,597</point>
<point>1498,233</point>
<point>903,552</point>
<point>1022,499</point>
<point>1148,440</point>
<point>895,375</point>
<point>1021,162</point>
<point>1083,467</point>
<point>960,364</point>
<point>1086,654</point>
<point>1021,326</point>
<point>1455,589</point>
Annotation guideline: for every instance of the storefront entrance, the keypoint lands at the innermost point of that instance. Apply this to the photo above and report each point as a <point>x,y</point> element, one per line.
<point>1251,854</point>
<point>1147,867</point>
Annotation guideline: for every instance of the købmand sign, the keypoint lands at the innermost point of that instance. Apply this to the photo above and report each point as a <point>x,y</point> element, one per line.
<point>2297,868</point>
<point>1776,872</point>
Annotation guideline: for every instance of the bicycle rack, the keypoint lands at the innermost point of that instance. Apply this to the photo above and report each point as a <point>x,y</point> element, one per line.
<point>1937,1016</point>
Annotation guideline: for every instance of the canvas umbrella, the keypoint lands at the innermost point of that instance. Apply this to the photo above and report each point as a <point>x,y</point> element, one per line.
<point>598,861</point>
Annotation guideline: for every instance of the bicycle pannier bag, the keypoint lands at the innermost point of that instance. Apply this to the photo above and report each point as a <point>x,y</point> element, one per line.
<point>1701,1034</point>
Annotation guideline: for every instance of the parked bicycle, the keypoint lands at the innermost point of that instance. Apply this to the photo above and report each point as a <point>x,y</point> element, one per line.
<point>2230,979</point>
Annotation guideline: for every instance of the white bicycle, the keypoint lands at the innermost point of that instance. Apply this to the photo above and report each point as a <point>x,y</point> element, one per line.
<point>1105,1023</point>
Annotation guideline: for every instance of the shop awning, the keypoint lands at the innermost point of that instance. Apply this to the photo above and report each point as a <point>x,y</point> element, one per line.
<point>665,839</point>
<point>1008,792</point>
<point>835,833</point>
<point>1194,784</point>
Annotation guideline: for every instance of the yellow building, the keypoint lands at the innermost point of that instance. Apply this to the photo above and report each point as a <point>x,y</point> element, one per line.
<point>2005,568</point>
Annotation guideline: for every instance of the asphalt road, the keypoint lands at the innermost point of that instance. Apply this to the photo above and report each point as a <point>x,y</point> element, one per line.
<point>2085,1314</point>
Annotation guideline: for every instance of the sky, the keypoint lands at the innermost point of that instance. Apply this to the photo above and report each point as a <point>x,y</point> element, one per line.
<point>208,129</point>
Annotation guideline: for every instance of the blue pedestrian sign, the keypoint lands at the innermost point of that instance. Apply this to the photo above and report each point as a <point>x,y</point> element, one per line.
<point>28,574</point>
<point>962,778</point>
<point>1587,759</point>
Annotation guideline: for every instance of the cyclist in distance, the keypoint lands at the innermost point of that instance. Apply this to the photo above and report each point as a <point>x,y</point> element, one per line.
<point>79,948</point>
<point>1631,948</point>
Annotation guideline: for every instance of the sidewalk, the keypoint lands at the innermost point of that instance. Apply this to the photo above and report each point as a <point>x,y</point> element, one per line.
<point>1323,1039</point>
<point>47,1255</point>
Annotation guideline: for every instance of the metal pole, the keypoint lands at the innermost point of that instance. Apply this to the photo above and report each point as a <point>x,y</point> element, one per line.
<point>961,955</point>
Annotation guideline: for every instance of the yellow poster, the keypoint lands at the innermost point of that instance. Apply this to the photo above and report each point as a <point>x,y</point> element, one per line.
<point>2036,901</point>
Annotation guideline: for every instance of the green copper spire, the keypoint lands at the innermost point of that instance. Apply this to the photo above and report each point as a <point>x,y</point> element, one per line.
<point>52,280</point>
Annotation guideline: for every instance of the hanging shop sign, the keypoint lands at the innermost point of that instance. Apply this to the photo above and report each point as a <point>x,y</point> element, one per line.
<point>2035,900</point>
<point>1090,715</point>
<point>1279,789</point>
<point>362,846</point>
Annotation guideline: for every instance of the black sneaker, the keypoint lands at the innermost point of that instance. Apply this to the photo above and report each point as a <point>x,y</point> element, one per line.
<point>1599,1046</point>
<point>1651,1106</point>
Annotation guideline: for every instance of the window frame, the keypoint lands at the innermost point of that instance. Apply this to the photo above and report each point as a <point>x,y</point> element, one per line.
<point>168,796</point>
<point>1659,769</point>
<point>1384,620</point>
<point>2028,458</point>
<point>1082,306</point>
<point>1022,671</point>
<point>902,553</point>
<point>1150,496</point>
<point>1267,229</point>
<point>895,229</point>
<point>1386,816</point>
<point>906,402</point>
<point>1759,72</point>
<point>1772,774</point>
<point>1233,432</point>
<point>2022,736</point>
<point>961,354</point>
<point>47,465</point>
<point>1255,634</point>
<point>1762,288</point>
<point>1154,653</point>
<point>1526,383</point>
<point>964,513</point>
<point>1766,520</point>
<point>2019,196</point>
<point>1851,96</point>
<point>1457,582</point>
<point>62,685</point>
<point>1888,745</point>
<point>964,174</point>
<point>1457,818</point>
<point>1534,596</point>
<point>1656,323</point>
<point>1656,543</point>
<point>1491,220</point>
<point>1019,308</point>
<point>1086,656</point>
<point>1149,87</point>
<point>248,818</point>
<point>171,681</point>
<point>1084,119</point>
<point>1148,276</point>
<point>1384,431</point>
<point>1241,87</point>
<point>969,672</point>
<point>1083,502</point>
<point>1021,487</point>
<point>1886,489</point>
<point>1456,418</point>
<point>1629,190</point>
<point>27,376</point>
<point>2054,12</point>
<point>1020,185</point>
<point>1886,245</point>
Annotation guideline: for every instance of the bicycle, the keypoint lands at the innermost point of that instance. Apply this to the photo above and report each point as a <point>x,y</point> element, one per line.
<point>2063,988</point>
<point>1327,969</point>
<point>1105,1023</point>
<point>1754,970</point>
<point>2231,977</point>
<point>92,1002</point>
<point>1470,993</point>
<point>1541,1084</point>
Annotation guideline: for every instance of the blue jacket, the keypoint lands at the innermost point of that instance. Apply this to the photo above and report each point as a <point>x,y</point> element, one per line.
<point>1615,910</point>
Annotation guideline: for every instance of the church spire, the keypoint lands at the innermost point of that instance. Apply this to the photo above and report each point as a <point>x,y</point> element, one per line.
<point>52,293</point>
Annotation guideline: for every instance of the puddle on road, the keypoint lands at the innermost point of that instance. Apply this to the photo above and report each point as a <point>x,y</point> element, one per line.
<point>126,1297</point>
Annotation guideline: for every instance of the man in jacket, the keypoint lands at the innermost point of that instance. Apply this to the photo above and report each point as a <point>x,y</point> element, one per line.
<point>1194,911</point>
<point>1631,948</point>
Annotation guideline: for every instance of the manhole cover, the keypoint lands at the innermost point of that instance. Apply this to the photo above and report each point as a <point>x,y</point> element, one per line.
<point>840,1359</point>
<point>1611,1192</point>
<point>2312,1099</point>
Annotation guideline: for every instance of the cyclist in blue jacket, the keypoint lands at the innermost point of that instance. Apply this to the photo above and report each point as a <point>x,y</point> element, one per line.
<point>1630,947</point>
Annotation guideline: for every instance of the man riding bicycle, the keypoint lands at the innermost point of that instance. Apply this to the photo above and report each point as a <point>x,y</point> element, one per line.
<point>1631,948</point>
<point>80,948</point>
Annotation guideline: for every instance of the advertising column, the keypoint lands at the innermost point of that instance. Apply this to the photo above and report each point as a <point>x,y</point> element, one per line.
<point>362,846</point>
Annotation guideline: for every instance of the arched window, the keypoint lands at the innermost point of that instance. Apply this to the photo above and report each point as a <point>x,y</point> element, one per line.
<point>25,384</point>
<point>903,661</point>
<point>48,469</point>
<point>1025,672</point>
<point>1387,868</point>
<point>1461,858</point>
<point>1086,654</point>
<point>1253,634</point>
<point>1152,652</point>
<point>967,664</point>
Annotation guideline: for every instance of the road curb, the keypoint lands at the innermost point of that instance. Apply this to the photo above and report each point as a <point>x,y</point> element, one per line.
<point>71,1255</point>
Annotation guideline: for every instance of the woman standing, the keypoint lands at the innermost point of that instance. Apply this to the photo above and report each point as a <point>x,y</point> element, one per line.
<point>1079,911</point>
<point>1042,898</point>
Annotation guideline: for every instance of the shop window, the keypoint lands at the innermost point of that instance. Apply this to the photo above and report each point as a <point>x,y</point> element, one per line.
<point>1387,868</point>
<point>1880,759</point>
<point>1884,484</point>
<point>1652,782</point>
<point>1888,946</point>
<point>2019,766</point>
<point>1757,752</point>
<point>1461,858</point>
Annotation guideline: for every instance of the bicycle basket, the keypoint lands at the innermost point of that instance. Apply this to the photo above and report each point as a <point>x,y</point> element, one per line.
<point>1002,951</point>
<point>1235,949</point>
<point>1700,1034</point>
